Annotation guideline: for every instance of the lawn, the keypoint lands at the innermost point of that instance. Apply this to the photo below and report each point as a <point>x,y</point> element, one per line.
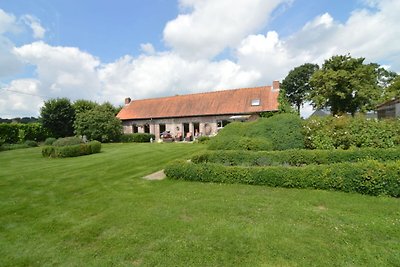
<point>97,211</point>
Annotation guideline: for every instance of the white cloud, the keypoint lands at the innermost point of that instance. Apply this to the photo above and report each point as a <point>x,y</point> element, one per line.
<point>34,24</point>
<point>20,99</point>
<point>7,22</point>
<point>147,48</point>
<point>62,71</point>
<point>212,26</point>
<point>168,74</point>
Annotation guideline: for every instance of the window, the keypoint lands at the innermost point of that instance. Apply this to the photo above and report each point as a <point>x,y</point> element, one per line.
<point>221,124</point>
<point>134,128</point>
<point>162,128</point>
<point>255,102</point>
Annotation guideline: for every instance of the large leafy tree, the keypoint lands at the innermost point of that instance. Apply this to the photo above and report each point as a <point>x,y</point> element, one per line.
<point>58,115</point>
<point>297,84</point>
<point>82,105</point>
<point>99,124</point>
<point>345,85</point>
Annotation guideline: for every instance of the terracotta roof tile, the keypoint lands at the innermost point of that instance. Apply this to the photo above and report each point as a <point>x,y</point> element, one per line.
<point>235,101</point>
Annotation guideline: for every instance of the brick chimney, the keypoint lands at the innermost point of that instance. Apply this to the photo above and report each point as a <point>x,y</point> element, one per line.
<point>127,101</point>
<point>275,86</point>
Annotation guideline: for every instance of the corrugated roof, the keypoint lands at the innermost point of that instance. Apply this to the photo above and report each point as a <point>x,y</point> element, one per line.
<point>235,101</point>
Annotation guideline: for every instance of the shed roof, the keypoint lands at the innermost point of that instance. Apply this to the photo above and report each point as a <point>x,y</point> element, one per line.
<point>234,101</point>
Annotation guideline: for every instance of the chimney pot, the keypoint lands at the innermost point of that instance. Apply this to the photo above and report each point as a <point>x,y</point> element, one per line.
<point>127,100</point>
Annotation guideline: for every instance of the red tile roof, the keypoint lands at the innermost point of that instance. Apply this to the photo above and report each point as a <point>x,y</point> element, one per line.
<point>226,102</point>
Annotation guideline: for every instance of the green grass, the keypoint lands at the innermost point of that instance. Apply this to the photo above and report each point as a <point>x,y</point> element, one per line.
<point>97,211</point>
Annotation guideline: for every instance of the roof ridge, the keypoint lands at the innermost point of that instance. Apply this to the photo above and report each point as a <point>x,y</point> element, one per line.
<point>202,93</point>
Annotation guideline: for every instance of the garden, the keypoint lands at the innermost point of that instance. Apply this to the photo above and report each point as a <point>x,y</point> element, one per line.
<point>334,153</point>
<point>97,210</point>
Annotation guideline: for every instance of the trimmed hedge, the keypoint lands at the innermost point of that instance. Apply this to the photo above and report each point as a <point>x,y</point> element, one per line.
<point>239,143</point>
<point>279,132</point>
<point>137,138</point>
<point>68,141</point>
<point>295,157</point>
<point>13,133</point>
<point>71,150</point>
<point>368,177</point>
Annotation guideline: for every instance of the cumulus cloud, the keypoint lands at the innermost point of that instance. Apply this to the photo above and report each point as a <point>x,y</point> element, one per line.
<point>62,71</point>
<point>211,26</point>
<point>20,99</point>
<point>7,22</point>
<point>34,24</point>
<point>168,74</point>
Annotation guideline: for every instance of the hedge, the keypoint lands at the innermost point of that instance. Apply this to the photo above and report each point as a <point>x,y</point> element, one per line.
<point>295,157</point>
<point>368,177</point>
<point>346,132</point>
<point>13,133</point>
<point>279,132</point>
<point>71,150</point>
<point>239,143</point>
<point>137,138</point>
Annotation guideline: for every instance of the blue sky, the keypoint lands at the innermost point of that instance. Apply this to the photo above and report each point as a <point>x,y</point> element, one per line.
<point>107,50</point>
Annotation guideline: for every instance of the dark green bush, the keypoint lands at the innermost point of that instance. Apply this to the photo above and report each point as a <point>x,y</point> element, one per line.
<point>279,132</point>
<point>9,132</point>
<point>239,143</point>
<point>367,177</point>
<point>295,157</point>
<point>31,143</point>
<point>71,150</point>
<point>346,132</point>
<point>13,133</point>
<point>137,138</point>
<point>68,141</point>
<point>49,141</point>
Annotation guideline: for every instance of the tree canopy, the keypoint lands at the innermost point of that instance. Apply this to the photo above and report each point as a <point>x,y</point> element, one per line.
<point>99,124</point>
<point>297,84</point>
<point>58,115</point>
<point>346,85</point>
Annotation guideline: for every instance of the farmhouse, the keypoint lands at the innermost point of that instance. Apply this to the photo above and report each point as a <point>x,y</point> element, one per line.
<point>202,114</point>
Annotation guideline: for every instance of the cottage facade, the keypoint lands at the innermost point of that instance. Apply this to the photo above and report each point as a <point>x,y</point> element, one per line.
<point>200,114</point>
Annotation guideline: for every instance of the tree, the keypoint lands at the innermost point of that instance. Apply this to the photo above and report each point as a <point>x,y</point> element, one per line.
<point>393,90</point>
<point>82,105</point>
<point>346,85</point>
<point>297,84</point>
<point>58,115</point>
<point>98,124</point>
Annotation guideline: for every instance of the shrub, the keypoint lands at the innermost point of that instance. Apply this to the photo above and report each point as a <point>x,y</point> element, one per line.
<point>31,143</point>
<point>367,177</point>
<point>137,138</point>
<point>49,141</point>
<point>9,132</point>
<point>283,130</point>
<point>279,132</point>
<point>346,132</point>
<point>295,157</point>
<point>239,143</point>
<point>68,141</point>
<point>71,150</point>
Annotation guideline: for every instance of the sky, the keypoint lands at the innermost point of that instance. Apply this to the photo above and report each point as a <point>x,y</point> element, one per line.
<point>105,50</point>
